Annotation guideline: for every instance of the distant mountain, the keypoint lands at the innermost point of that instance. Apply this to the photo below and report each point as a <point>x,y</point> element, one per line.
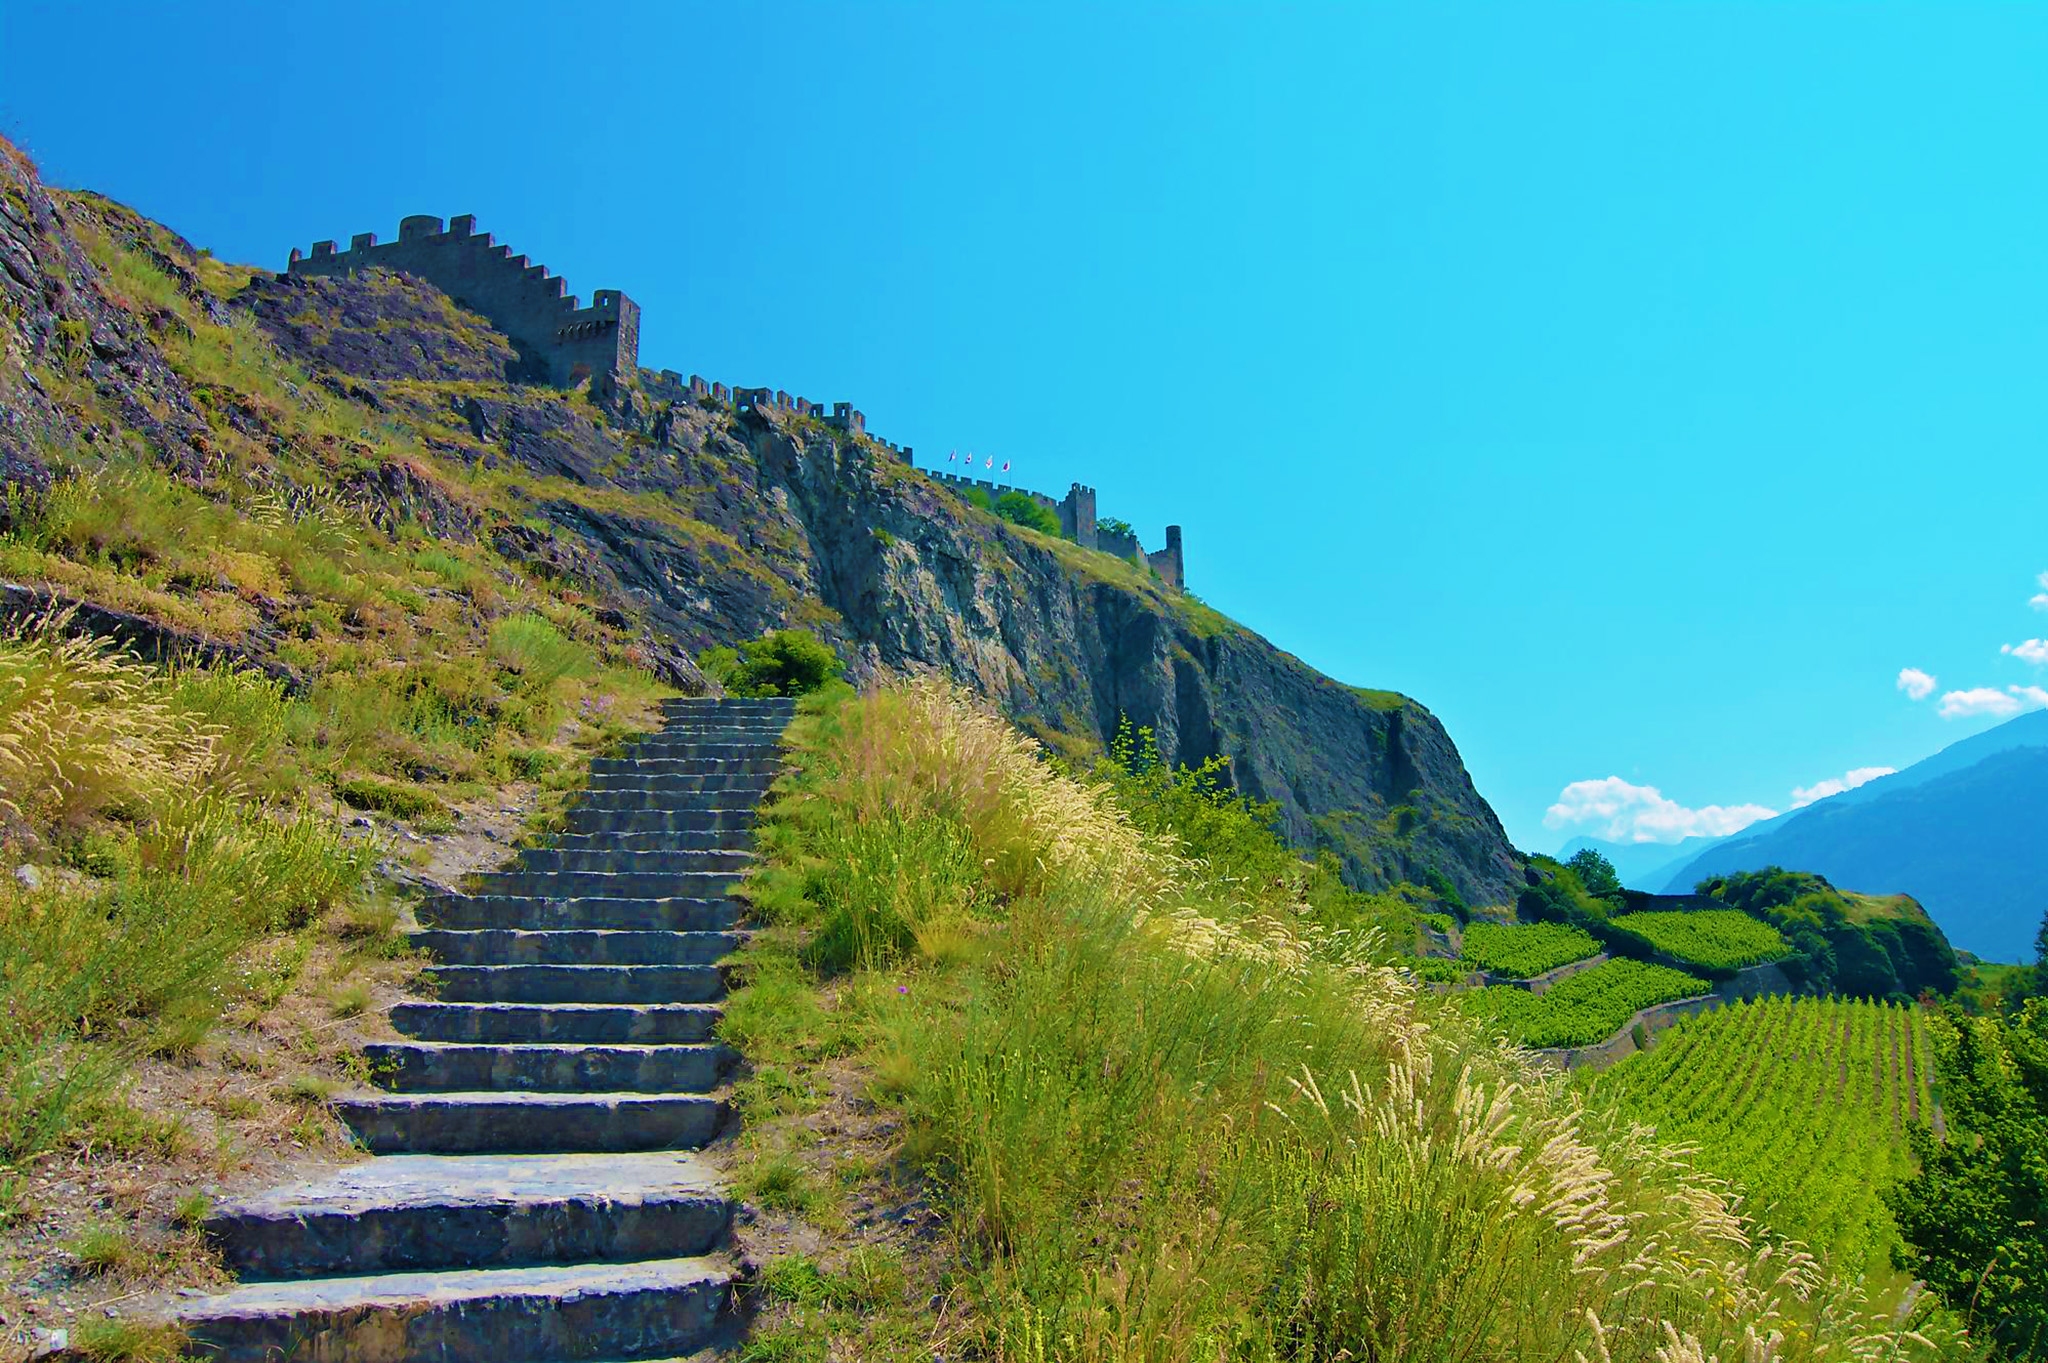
<point>1642,865</point>
<point>1964,832</point>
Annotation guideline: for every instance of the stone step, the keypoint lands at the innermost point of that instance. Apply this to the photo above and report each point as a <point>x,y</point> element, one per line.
<point>403,1213</point>
<point>688,766</point>
<point>714,839</point>
<point>679,801</point>
<point>659,861</point>
<point>712,748</point>
<point>528,1123</point>
<point>453,1067</point>
<point>673,913</point>
<point>608,884</point>
<point>640,777</point>
<point>727,705</point>
<point>545,1023</point>
<point>575,983</point>
<point>741,728</point>
<point>512,946</point>
<point>583,820</point>
<point>567,1312</point>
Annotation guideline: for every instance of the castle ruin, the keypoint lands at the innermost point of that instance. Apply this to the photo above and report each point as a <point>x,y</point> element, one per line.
<point>559,342</point>
<point>562,343</point>
<point>1078,523</point>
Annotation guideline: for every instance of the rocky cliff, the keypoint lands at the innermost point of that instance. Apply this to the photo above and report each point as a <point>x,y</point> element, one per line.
<point>691,523</point>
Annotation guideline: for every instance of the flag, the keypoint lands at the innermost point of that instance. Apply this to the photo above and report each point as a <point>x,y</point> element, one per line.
<point>991,462</point>
<point>951,457</point>
<point>1006,466</point>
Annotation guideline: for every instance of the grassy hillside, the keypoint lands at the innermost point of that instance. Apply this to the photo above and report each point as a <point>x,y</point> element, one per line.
<point>1802,1104</point>
<point>1163,1111</point>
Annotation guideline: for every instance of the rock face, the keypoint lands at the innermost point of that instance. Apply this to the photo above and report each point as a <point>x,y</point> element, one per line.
<point>701,525</point>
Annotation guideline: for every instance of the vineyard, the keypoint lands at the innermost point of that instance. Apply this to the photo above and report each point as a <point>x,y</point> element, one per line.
<point>1713,939</point>
<point>1802,1103</point>
<point>1525,950</point>
<point>1584,1008</point>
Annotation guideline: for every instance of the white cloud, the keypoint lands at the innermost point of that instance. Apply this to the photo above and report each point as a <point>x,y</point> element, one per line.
<point>1620,812</point>
<point>1989,700</point>
<point>2027,650</point>
<point>2040,601</point>
<point>1916,684</point>
<point>1835,785</point>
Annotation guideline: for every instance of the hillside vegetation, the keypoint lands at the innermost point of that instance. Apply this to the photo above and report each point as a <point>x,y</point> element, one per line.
<point>1711,940</point>
<point>1803,1104</point>
<point>1829,941</point>
<point>1173,1114</point>
<point>1581,1009</point>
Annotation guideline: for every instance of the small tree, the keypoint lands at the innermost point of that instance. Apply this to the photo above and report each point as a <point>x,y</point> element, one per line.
<point>786,662</point>
<point>1111,526</point>
<point>1020,509</point>
<point>1595,872</point>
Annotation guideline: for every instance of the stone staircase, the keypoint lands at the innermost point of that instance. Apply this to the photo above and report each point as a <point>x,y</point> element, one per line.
<point>532,1198</point>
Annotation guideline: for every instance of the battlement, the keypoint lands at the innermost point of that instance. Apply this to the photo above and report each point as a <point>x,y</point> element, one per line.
<point>1078,523</point>
<point>840,415</point>
<point>559,341</point>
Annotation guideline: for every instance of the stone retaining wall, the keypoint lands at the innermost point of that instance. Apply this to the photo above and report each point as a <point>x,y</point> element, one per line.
<point>1753,982</point>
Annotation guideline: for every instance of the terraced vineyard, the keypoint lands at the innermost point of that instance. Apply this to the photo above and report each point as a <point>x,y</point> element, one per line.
<point>1713,939</point>
<point>1802,1103</point>
<point>1584,1008</point>
<point>1525,950</point>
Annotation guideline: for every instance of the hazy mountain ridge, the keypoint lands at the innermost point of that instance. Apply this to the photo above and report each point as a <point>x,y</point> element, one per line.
<point>1961,832</point>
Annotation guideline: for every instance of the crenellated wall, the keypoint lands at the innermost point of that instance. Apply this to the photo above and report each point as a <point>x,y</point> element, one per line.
<point>1078,523</point>
<point>558,341</point>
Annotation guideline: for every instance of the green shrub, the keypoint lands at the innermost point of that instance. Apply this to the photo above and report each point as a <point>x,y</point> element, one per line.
<point>1020,508</point>
<point>786,662</point>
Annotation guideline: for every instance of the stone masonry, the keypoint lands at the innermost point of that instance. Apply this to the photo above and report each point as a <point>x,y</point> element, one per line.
<point>559,342</point>
<point>532,1194</point>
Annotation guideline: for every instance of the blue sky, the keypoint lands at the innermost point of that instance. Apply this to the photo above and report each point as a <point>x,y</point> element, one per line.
<point>1641,387</point>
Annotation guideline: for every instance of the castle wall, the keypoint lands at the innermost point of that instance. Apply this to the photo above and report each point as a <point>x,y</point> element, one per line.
<point>559,341</point>
<point>1167,562</point>
<point>1078,522</point>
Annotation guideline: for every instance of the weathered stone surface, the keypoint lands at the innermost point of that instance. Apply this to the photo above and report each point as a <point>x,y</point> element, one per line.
<point>408,1212</point>
<point>575,983</point>
<point>518,946</point>
<point>537,1123</point>
<point>578,1312</point>
<point>512,1023</point>
<point>535,913</point>
<point>452,1067</point>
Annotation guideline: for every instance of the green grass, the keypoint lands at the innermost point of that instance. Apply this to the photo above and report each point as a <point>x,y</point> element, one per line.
<point>1525,950</point>
<point>99,1339</point>
<point>1581,1009</point>
<point>384,797</point>
<point>1711,939</point>
<point>1163,1121</point>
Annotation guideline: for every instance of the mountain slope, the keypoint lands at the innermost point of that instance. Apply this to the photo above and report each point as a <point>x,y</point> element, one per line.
<point>685,524</point>
<point>1967,844</point>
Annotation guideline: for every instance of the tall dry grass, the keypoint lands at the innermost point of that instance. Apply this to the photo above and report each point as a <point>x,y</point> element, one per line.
<point>148,771</point>
<point>1169,1124</point>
